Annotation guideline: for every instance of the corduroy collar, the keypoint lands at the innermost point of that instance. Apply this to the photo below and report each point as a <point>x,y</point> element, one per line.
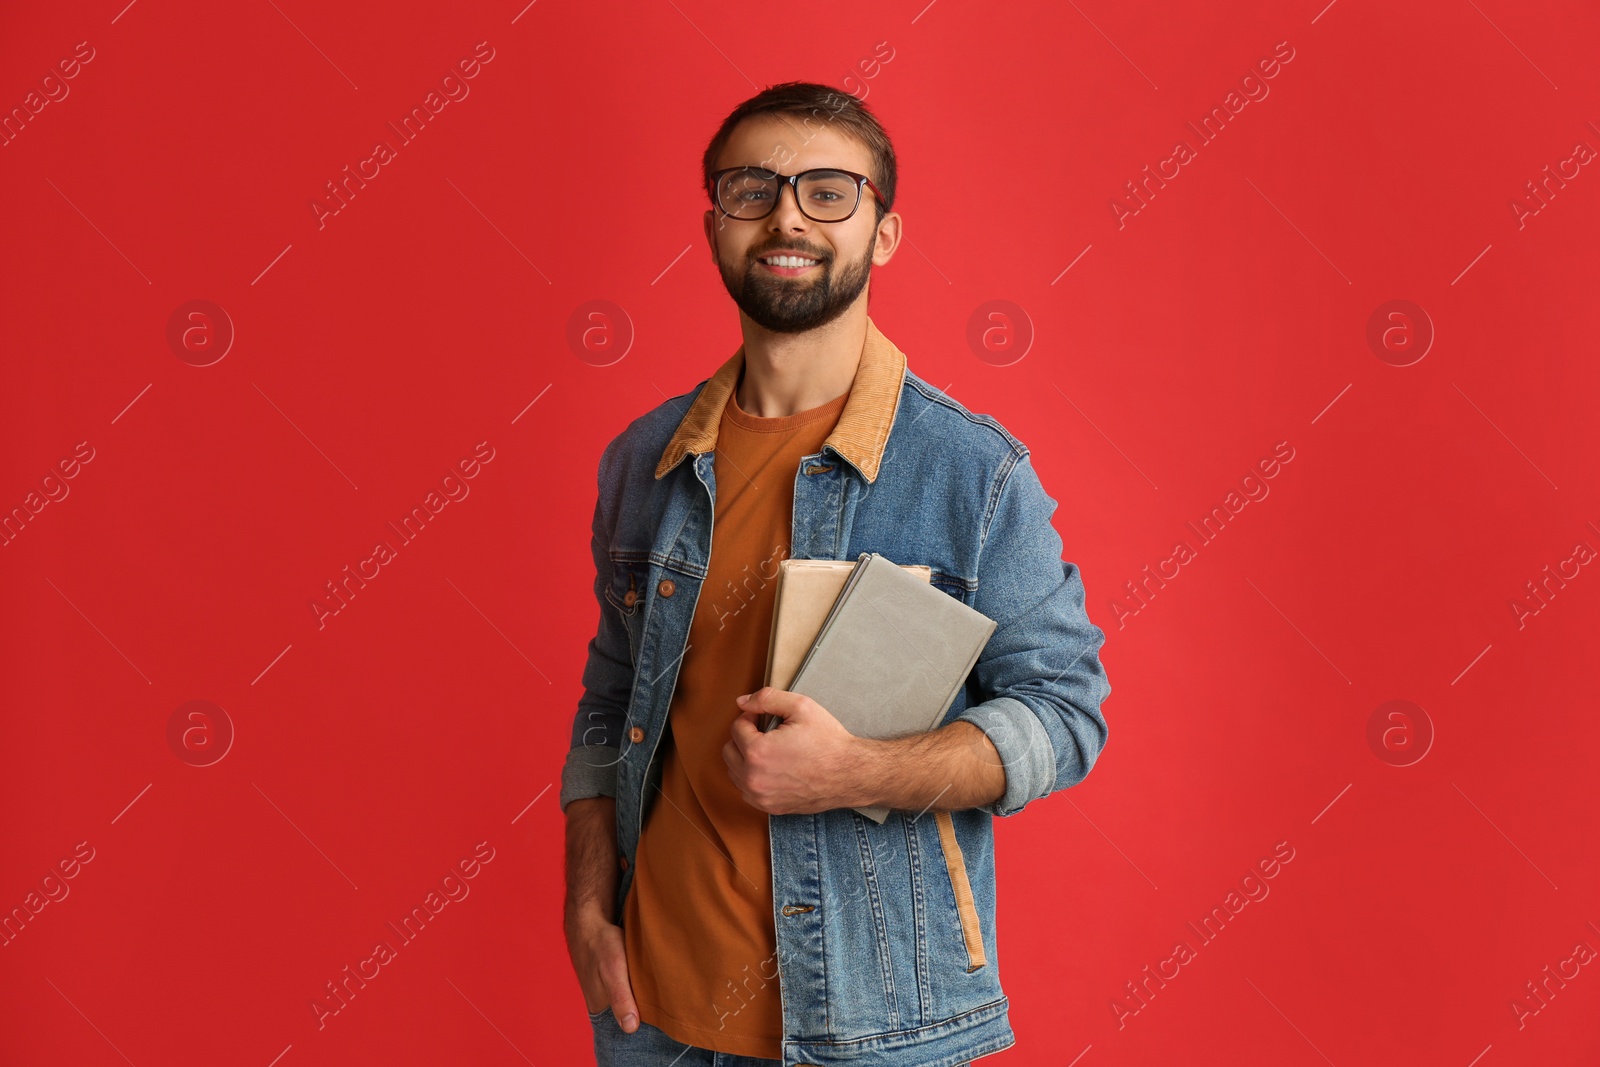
<point>860,434</point>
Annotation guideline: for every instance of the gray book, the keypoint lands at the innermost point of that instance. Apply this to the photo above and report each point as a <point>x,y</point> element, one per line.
<point>891,655</point>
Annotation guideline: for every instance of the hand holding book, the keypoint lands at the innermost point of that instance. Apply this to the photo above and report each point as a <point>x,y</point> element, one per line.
<point>888,655</point>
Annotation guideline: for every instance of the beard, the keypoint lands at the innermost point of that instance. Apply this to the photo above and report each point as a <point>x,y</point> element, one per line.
<point>795,305</point>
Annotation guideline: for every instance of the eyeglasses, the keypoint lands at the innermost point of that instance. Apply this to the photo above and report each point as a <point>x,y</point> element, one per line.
<point>823,194</point>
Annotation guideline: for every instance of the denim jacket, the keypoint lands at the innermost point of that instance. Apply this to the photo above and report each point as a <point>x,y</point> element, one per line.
<point>885,934</point>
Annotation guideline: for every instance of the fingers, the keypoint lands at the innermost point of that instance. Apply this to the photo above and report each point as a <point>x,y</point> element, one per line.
<point>767,698</point>
<point>738,772</point>
<point>747,726</point>
<point>734,759</point>
<point>614,970</point>
<point>782,705</point>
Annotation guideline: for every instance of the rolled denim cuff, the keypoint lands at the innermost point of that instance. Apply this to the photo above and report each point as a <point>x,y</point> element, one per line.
<point>1024,747</point>
<point>590,771</point>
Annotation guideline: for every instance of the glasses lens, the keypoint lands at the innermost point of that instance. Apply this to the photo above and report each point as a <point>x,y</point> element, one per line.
<point>747,193</point>
<point>825,195</point>
<point>828,194</point>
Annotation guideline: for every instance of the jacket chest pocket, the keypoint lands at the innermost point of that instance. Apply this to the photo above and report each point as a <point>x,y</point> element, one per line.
<point>627,593</point>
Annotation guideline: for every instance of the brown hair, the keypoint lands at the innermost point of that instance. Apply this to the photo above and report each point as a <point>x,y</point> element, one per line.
<point>818,104</point>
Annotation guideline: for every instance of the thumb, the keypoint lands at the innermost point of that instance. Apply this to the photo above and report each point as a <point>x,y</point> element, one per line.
<point>614,971</point>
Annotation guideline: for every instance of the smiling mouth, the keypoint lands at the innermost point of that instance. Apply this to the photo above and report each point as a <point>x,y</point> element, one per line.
<point>784,261</point>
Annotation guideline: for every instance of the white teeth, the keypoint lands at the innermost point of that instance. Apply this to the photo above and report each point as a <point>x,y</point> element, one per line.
<point>789,261</point>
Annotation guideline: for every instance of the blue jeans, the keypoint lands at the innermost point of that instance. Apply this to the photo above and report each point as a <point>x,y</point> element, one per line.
<point>648,1046</point>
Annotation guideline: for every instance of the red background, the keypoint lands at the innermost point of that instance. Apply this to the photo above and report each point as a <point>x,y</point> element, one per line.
<point>432,712</point>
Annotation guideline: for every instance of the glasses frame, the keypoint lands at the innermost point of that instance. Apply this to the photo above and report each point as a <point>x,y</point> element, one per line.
<point>793,182</point>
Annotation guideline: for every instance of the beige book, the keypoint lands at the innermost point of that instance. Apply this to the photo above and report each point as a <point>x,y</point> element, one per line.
<point>807,589</point>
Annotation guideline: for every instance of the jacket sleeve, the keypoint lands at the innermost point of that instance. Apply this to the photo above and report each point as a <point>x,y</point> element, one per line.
<point>1040,672</point>
<point>591,764</point>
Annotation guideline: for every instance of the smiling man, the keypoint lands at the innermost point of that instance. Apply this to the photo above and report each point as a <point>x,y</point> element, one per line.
<point>726,907</point>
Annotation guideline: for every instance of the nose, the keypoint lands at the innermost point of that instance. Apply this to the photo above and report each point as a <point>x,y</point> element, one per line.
<point>790,216</point>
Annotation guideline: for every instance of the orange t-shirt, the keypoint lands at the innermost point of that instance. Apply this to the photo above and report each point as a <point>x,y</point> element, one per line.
<point>698,923</point>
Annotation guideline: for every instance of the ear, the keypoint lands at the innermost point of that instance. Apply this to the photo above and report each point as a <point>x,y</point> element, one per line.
<point>887,239</point>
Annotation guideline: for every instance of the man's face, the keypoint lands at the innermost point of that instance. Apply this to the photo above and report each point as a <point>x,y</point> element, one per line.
<point>785,300</point>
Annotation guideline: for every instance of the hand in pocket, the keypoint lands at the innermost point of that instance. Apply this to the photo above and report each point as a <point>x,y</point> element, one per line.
<point>600,959</point>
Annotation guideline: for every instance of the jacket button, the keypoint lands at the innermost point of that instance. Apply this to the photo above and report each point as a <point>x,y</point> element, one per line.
<point>636,734</point>
<point>622,861</point>
<point>666,587</point>
<point>630,598</point>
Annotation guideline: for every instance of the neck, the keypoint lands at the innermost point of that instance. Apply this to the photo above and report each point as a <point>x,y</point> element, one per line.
<point>786,373</point>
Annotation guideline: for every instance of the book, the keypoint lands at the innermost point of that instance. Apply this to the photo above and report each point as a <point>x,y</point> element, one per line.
<point>889,654</point>
<point>806,591</point>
